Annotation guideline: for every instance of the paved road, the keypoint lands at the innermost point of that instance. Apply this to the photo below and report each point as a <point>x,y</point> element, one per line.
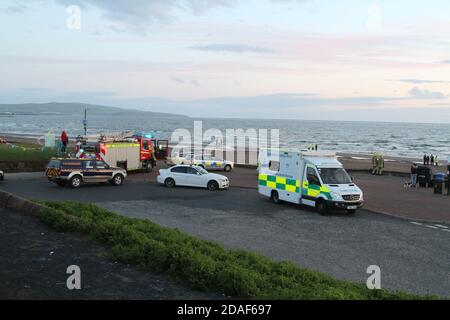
<point>35,260</point>
<point>412,257</point>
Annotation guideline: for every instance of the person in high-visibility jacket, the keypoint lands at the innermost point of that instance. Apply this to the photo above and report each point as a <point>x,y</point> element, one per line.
<point>377,164</point>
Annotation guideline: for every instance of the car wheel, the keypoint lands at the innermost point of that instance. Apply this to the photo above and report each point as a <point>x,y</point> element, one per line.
<point>76,181</point>
<point>169,183</point>
<point>321,207</point>
<point>275,197</point>
<point>227,168</point>
<point>118,180</point>
<point>213,186</point>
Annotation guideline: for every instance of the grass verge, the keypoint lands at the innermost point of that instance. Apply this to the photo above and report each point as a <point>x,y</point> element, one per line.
<point>204,265</point>
<point>20,153</point>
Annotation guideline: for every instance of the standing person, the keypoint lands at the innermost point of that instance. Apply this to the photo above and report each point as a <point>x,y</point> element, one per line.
<point>448,179</point>
<point>64,140</point>
<point>424,159</point>
<point>436,161</point>
<point>317,147</point>
<point>414,175</point>
<point>427,159</point>
<point>432,160</point>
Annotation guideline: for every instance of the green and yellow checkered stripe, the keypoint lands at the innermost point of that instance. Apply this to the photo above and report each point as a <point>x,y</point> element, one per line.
<point>314,191</point>
<point>280,183</point>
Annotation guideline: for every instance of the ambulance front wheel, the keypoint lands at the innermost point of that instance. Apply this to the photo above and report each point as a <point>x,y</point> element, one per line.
<point>228,168</point>
<point>321,207</point>
<point>275,197</point>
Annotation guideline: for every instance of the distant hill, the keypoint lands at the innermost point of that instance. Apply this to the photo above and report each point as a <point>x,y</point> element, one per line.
<point>75,108</point>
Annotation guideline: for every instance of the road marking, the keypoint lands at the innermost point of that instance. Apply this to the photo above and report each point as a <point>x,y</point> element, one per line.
<point>435,226</point>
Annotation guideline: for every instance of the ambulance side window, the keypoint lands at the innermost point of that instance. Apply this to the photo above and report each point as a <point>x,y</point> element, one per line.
<point>145,145</point>
<point>274,166</point>
<point>312,177</point>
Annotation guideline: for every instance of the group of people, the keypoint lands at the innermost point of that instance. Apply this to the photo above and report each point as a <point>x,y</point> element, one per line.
<point>430,160</point>
<point>312,147</point>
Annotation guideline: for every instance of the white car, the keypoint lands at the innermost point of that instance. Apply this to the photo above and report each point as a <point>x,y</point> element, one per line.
<point>192,176</point>
<point>2,176</point>
<point>205,162</point>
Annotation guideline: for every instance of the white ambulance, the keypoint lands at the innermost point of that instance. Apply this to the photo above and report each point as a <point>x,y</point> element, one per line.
<point>314,179</point>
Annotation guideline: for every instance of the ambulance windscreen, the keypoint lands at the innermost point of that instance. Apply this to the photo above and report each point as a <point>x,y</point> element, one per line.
<point>334,176</point>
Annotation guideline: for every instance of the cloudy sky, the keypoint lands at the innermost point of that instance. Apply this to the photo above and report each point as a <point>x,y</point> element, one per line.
<point>292,59</point>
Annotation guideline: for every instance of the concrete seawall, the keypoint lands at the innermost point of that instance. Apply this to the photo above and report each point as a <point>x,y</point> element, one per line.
<point>23,166</point>
<point>15,203</point>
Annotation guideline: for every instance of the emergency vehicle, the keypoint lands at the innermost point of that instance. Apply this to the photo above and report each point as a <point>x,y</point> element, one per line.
<point>206,162</point>
<point>75,172</point>
<point>132,152</point>
<point>314,179</point>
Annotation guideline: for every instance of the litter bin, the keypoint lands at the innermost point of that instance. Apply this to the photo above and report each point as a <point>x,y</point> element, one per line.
<point>424,176</point>
<point>438,181</point>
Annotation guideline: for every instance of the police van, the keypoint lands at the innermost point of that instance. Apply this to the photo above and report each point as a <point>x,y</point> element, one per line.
<point>314,179</point>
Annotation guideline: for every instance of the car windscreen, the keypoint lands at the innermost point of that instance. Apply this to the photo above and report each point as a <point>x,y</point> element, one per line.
<point>201,170</point>
<point>54,164</point>
<point>334,176</point>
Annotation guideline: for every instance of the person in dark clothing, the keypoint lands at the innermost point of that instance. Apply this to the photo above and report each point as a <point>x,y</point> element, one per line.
<point>427,160</point>
<point>432,160</point>
<point>414,175</point>
<point>448,179</point>
<point>424,159</point>
<point>64,140</point>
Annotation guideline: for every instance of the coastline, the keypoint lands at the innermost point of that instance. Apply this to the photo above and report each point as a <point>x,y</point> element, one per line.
<point>351,160</point>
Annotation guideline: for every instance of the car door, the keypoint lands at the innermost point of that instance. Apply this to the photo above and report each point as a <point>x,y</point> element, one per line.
<point>218,164</point>
<point>104,171</point>
<point>194,178</point>
<point>89,171</point>
<point>179,175</point>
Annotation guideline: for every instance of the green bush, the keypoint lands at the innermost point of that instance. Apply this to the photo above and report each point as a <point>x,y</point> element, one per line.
<point>203,264</point>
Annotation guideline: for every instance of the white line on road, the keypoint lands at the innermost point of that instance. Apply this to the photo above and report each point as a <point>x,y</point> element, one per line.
<point>416,223</point>
<point>432,227</point>
<point>441,226</point>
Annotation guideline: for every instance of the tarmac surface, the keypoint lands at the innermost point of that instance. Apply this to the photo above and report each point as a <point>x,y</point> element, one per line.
<point>35,260</point>
<point>413,256</point>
